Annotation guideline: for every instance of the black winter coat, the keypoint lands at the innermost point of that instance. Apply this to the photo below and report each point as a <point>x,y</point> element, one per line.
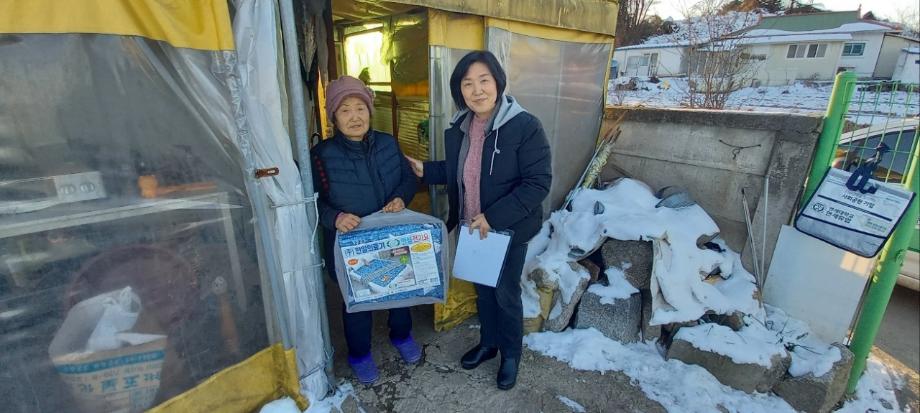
<point>512,185</point>
<point>358,178</point>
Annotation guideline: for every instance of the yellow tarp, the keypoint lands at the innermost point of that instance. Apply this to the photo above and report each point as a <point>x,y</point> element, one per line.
<point>460,305</point>
<point>455,30</point>
<point>547,32</point>
<point>243,388</point>
<point>195,24</point>
<point>595,16</point>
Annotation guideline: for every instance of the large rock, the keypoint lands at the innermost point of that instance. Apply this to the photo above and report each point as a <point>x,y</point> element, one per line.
<point>746,377</point>
<point>618,321</point>
<point>812,394</point>
<point>592,268</point>
<point>543,279</point>
<point>734,321</point>
<point>649,332</point>
<point>562,310</point>
<point>633,257</point>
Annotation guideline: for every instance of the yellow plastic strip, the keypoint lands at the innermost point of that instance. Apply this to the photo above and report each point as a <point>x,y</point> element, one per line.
<point>243,388</point>
<point>547,32</point>
<point>195,24</point>
<point>455,30</point>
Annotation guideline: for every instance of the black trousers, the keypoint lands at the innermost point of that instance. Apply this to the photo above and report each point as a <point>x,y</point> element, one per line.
<point>358,328</point>
<point>501,314</point>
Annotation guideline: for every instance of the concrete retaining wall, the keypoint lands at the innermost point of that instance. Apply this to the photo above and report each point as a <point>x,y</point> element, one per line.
<point>714,154</point>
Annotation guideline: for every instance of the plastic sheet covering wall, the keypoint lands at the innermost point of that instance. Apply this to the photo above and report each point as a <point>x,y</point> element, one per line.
<point>461,298</point>
<point>562,83</point>
<point>120,169</point>
<point>261,96</point>
<point>442,108</point>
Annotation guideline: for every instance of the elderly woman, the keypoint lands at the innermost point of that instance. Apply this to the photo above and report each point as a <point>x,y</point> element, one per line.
<point>358,172</point>
<point>497,173</point>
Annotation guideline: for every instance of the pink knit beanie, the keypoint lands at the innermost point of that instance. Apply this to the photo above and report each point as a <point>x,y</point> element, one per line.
<point>344,87</point>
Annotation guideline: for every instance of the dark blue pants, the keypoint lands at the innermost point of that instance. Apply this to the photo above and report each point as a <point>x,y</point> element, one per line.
<point>358,328</point>
<point>501,314</point>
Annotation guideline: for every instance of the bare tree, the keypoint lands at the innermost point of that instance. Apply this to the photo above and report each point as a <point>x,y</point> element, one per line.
<point>631,15</point>
<point>909,19</point>
<point>718,61</point>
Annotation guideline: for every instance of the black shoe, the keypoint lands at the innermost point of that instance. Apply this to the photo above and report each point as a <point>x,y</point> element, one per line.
<point>477,355</point>
<point>507,373</point>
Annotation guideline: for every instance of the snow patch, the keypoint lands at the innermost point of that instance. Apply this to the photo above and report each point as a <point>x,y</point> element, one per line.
<point>332,402</point>
<point>283,405</point>
<point>810,355</point>
<point>687,388</point>
<point>677,386</point>
<point>753,344</point>
<point>875,391</point>
<point>572,404</point>
<point>618,288</point>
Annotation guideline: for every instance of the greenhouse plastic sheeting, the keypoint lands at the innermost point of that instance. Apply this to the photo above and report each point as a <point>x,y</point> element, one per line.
<point>120,168</point>
<point>562,83</point>
<point>461,297</point>
<point>259,52</point>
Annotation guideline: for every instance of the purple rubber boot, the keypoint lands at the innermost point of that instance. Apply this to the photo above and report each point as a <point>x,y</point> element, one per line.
<point>410,351</point>
<point>364,368</point>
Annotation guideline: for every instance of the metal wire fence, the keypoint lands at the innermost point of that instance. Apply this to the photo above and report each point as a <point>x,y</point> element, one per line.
<point>881,116</point>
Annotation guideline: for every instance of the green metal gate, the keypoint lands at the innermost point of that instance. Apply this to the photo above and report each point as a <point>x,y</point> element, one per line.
<point>860,116</point>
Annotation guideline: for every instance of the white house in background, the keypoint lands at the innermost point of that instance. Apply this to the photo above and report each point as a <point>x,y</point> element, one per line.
<point>813,46</point>
<point>907,69</point>
<point>666,55</point>
<point>888,58</point>
<point>646,60</point>
<point>784,49</point>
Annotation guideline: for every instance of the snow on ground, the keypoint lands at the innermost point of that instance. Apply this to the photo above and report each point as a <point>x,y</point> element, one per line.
<point>875,391</point>
<point>572,404</point>
<point>809,353</point>
<point>331,403</point>
<point>677,386</point>
<point>681,387</point>
<point>868,107</point>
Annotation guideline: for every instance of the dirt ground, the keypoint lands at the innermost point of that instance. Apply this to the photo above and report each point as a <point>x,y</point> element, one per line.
<point>438,383</point>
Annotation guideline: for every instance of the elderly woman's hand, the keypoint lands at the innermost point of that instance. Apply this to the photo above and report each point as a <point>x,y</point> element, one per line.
<point>395,205</point>
<point>345,222</point>
<point>418,167</point>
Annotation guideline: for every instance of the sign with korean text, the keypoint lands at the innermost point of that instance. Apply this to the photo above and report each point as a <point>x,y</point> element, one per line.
<point>856,221</point>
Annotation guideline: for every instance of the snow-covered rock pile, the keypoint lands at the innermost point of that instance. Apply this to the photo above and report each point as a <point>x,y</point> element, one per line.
<point>694,290</point>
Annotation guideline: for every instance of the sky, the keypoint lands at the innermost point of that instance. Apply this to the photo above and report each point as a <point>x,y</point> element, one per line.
<point>881,8</point>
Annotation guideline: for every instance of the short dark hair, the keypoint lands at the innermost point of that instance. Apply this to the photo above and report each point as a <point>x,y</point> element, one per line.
<point>482,56</point>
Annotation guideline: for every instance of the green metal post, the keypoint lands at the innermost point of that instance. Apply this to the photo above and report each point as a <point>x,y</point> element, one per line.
<point>844,85</point>
<point>884,279</point>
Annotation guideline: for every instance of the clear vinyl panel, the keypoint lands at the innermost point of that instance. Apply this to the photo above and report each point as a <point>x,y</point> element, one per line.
<point>442,62</point>
<point>128,265</point>
<point>562,83</point>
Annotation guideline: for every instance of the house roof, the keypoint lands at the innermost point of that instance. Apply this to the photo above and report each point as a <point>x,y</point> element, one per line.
<point>652,46</point>
<point>901,36</point>
<point>911,50</point>
<point>808,22</point>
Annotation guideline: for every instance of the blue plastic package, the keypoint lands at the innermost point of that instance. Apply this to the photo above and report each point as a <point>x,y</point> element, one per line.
<point>392,260</point>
